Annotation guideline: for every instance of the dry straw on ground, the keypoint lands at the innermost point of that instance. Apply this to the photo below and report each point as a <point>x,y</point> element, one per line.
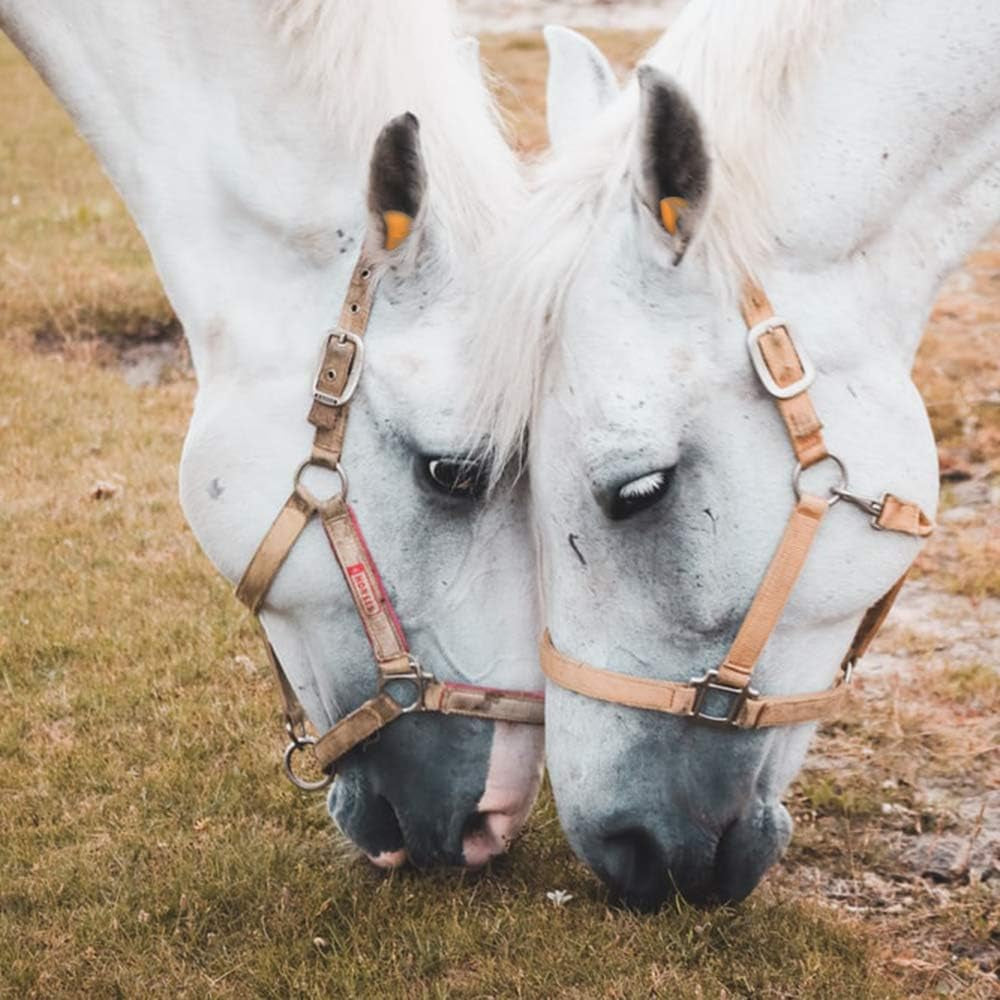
<point>149,847</point>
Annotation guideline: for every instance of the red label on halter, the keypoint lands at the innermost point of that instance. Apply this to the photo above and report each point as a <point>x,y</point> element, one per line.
<point>364,589</point>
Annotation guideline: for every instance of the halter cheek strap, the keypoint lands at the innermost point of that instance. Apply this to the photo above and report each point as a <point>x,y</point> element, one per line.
<point>786,373</point>
<point>401,684</point>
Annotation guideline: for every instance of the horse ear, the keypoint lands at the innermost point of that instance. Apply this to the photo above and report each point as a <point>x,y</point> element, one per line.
<point>397,181</point>
<point>468,52</point>
<point>581,83</point>
<point>673,166</point>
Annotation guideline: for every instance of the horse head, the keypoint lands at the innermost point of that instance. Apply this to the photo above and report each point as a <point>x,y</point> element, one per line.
<point>661,449</point>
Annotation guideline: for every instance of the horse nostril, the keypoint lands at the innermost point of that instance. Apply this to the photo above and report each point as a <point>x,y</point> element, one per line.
<point>635,866</point>
<point>485,835</point>
<point>645,868</point>
<point>369,821</point>
<point>749,847</point>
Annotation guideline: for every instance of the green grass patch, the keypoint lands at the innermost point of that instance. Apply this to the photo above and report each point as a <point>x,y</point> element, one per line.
<point>829,796</point>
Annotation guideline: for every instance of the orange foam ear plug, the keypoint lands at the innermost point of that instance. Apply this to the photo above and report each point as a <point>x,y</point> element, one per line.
<point>397,228</point>
<point>670,208</point>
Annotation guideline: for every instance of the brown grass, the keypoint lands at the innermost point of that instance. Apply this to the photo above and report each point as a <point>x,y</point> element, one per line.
<point>147,844</point>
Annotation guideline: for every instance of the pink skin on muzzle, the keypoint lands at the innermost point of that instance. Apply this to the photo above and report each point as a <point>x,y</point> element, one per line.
<point>512,783</point>
<point>388,859</point>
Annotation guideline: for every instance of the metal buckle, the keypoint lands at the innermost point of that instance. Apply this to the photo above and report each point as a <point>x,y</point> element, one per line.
<point>353,376</point>
<point>868,505</point>
<point>708,683</point>
<point>416,677</point>
<point>760,365</point>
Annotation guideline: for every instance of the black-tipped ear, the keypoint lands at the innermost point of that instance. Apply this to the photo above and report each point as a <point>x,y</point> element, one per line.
<point>673,160</point>
<point>397,181</point>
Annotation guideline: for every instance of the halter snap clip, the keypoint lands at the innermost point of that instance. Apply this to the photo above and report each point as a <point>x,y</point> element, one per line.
<point>867,504</point>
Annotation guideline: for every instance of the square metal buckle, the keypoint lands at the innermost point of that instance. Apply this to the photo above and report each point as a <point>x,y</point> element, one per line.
<point>411,687</point>
<point>760,365</point>
<point>709,683</point>
<point>353,376</point>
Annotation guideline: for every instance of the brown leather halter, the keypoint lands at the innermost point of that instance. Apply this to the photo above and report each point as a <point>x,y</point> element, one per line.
<point>396,667</point>
<point>786,374</point>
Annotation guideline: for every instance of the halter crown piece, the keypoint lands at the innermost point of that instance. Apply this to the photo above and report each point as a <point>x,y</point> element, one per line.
<point>724,696</point>
<point>397,669</point>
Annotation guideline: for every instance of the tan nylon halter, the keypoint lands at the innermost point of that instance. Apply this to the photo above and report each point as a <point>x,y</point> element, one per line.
<point>335,384</point>
<point>786,374</point>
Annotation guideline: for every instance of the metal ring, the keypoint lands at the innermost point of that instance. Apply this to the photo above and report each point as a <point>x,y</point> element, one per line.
<point>417,682</point>
<point>835,490</point>
<point>304,491</point>
<point>300,743</point>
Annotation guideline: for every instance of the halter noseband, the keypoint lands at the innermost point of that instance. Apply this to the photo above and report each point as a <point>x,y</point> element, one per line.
<point>786,374</point>
<point>397,669</point>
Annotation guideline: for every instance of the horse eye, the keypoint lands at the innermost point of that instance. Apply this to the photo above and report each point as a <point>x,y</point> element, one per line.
<point>639,494</point>
<point>457,477</point>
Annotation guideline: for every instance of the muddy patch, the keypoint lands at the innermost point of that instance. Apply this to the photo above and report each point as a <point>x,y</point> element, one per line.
<point>146,351</point>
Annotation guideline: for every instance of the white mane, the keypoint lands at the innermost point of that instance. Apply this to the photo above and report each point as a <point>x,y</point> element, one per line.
<point>741,65</point>
<point>368,62</point>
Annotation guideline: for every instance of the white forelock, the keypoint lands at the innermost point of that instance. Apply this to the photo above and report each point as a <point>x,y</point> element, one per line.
<point>742,66</point>
<point>368,62</point>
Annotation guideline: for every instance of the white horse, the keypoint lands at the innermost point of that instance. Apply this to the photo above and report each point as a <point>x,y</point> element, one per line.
<point>239,134</point>
<point>844,155</point>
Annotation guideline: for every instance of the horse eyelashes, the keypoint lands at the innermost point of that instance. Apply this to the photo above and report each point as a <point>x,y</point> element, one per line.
<point>645,486</point>
<point>639,494</point>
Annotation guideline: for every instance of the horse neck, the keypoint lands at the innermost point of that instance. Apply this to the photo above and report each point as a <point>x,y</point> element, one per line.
<point>894,172</point>
<point>243,168</point>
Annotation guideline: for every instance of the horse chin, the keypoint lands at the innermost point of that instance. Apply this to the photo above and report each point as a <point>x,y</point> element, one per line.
<point>647,865</point>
